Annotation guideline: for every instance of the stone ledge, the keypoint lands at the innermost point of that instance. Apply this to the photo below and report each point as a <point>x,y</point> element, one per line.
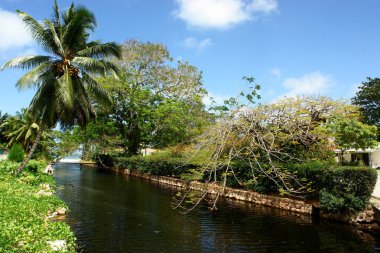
<point>293,205</point>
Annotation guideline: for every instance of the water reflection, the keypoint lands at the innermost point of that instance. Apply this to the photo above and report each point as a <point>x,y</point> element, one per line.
<point>114,213</point>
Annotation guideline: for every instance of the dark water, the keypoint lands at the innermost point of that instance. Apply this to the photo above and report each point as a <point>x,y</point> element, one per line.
<point>115,213</point>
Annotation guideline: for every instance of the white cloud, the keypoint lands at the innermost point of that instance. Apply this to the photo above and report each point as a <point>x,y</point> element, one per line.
<point>13,33</point>
<point>199,45</point>
<point>276,72</point>
<point>221,14</point>
<point>265,6</point>
<point>309,84</point>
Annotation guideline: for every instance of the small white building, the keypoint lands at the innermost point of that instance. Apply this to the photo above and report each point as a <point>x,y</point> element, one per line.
<point>369,156</point>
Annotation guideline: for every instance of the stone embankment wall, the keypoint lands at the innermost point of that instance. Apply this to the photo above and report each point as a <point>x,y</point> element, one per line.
<point>364,220</point>
<point>293,205</point>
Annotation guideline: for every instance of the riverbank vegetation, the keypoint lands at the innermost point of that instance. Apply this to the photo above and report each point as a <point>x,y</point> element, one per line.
<point>289,147</point>
<point>118,102</point>
<point>26,202</point>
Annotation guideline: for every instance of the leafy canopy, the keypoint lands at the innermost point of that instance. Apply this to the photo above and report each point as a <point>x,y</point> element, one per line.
<point>368,99</point>
<point>155,102</point>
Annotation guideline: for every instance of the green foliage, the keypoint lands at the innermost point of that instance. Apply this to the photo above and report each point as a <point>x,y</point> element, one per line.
<point>351,133</point>
<point>368,98</point>
<point>63,78</point>
<point>23,223</point>
<point>155,103</point>
<point>155,165</point>
<point>16,153</point>
<point>352,184</point>
<point>3,138</point>
<point>21,128</point>
<point>331,202</point>
<point>261,184</point>
<point>8,167</point>
<point>66,90</point>
<point>97,138</point>
<point>339,188</point>
<point>36,166</point>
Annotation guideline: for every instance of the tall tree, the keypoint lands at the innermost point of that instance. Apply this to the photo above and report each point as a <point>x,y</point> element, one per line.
<point>64,78</point>
<point>368,99</point>
<point>155,101</point>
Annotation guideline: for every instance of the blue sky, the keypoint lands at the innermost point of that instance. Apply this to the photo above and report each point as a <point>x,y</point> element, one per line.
<point>291,47</point>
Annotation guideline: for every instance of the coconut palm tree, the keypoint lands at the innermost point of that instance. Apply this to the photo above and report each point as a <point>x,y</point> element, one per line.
<point>64,78</point>
<point>21,128</point>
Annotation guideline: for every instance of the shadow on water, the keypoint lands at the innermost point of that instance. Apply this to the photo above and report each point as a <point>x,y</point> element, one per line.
<point>115,213</point>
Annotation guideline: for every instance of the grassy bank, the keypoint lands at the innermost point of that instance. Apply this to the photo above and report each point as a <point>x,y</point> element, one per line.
<point>26,201</point>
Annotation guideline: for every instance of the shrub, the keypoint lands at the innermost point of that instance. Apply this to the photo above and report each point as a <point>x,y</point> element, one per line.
<point>330,201</point>
<point>35,166</point>
<point>344,189</point>
<point>7,167</point>
<point>16,154</point>
<point>154,165</point>
<point>262,184</point>
<point>354,184</point>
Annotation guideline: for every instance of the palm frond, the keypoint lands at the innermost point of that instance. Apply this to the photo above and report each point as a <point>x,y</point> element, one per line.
<point>44,102</point>
<point>67,16</point>
<point>56,17</point>
<point>75,32</point>
<point>96,66</point>
<point>82,112</point>
<point>36,29</point>
<point>99,50</point>
<point>55,42</point>
<point>26,62</point>
<point>65,90</point>
<point>34,77</point>
<point>94,88</point>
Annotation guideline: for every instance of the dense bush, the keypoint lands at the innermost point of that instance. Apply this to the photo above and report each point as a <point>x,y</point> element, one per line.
<point>7,167</point>
<point>16,154</point>
<point>339,188</point>
<point>352,186</point>
<point>36,166</point>
<point>154,165</point>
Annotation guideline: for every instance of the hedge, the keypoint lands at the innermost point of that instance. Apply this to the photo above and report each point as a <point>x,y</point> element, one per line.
<point>173,167</point>
<point>341,189</point>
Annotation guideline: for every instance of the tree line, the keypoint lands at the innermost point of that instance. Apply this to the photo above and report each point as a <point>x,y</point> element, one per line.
<point>107,97</point>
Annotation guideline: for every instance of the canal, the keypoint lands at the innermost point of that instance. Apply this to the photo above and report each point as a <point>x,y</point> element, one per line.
<point>116,213</point>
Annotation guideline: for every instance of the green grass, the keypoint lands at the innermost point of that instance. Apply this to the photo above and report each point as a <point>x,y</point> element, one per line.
<point>23,223</point>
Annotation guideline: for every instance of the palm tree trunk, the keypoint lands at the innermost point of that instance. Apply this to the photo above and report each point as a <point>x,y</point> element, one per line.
<point>31,152</point>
